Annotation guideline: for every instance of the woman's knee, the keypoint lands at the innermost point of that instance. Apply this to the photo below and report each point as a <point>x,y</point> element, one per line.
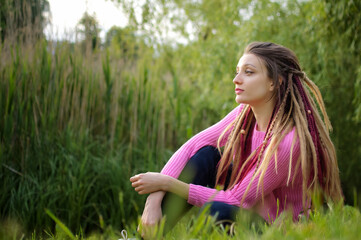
<point>205,159</point>
<point>208,153</point>
<point>221,210</point>
<point>201,167</point>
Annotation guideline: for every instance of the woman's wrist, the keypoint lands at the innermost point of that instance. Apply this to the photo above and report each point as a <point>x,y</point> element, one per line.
<point>167,182</point>
<point>156,197</point>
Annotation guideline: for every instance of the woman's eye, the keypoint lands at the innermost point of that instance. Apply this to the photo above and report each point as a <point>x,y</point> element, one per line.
<point>248,72</point>
<point>235,73</point>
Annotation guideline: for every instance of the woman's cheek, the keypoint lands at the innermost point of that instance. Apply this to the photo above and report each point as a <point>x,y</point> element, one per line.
<point>258,91</point>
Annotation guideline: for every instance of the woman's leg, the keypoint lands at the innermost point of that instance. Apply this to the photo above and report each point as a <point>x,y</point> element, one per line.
<point>221,210</point>
<point>201,170</point>
<point>225,214</point>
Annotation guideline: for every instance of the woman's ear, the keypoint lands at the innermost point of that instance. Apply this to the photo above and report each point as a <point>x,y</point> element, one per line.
<point>272,86</point>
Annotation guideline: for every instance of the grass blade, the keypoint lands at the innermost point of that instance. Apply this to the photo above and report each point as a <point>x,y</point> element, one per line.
<point>60,224</point>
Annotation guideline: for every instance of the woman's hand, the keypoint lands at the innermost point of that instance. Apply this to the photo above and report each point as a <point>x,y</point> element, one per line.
<point>149,182</point>
<point>152,215</point>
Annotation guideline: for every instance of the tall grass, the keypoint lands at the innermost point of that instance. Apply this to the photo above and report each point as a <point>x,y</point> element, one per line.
<point>75,127</point>
<point>336,223</point>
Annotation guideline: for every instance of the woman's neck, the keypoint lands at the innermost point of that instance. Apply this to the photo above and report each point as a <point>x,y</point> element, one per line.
<point>263,113</point>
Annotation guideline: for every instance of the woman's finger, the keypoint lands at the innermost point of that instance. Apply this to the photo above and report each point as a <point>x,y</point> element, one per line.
<point>138,189</point>
<point>134,178</point>
<point>143,191</point>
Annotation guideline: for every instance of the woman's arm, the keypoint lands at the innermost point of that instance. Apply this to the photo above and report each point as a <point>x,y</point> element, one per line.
<point>198,195</point>
<point>152,213</point>
<point>208,136</point>
<point>150,182</point>
<point>152,210</point>
<point>179,159</point>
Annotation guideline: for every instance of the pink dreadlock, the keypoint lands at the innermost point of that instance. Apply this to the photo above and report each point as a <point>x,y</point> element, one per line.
<point>294,108</point>
<point>321,161</point>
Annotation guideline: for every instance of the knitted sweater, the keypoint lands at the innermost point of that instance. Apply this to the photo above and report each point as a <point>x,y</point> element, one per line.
<point>276,182</point>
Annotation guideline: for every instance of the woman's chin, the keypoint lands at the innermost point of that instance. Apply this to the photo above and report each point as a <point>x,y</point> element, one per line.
<point>239,100</point>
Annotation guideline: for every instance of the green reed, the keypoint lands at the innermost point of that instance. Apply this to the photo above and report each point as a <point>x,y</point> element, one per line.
<point>75,126</point>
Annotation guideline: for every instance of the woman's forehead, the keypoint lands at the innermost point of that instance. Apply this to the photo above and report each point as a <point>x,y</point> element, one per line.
<point>250,60</point>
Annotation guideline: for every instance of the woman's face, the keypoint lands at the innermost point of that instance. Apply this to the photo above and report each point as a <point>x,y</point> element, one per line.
<point>253,86</point>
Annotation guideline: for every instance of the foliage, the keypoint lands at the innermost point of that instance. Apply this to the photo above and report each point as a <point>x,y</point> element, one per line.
<point>75,124</point>
<point>336,223</point>
<point>125,43</point>
<point>325,35</point>
<point>22,18</point>
<point>89,30</point>
<point>75,128</point>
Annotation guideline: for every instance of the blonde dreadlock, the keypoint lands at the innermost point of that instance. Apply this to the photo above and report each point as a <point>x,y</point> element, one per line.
<point>294,108</point>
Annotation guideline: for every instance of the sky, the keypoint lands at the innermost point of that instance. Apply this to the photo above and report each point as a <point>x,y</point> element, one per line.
<point>65,14</point>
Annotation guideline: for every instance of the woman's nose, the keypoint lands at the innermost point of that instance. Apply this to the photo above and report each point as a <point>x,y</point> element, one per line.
<point>237,79</point>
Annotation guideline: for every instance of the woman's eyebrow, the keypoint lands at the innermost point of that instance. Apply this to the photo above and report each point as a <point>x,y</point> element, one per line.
<point>248,64</point>
<point>245,65</point>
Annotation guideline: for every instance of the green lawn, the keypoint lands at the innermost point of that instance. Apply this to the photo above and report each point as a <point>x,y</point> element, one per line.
<point>334,223</point>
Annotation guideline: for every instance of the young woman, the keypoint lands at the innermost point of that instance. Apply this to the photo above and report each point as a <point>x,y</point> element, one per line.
<point>277,149</point>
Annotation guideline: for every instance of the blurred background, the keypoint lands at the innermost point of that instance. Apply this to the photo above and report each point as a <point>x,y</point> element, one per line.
<point>93,92</point>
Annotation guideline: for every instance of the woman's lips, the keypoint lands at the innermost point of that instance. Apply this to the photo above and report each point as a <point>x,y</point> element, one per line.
<point>238,90</point>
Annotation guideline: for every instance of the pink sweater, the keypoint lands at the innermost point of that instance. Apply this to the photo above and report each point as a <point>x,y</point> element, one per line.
<point>276,184</point>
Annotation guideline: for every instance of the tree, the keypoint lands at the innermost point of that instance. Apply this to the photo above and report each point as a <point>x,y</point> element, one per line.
<point>89,30</point>
<point>123,39</point>
<point>23,18</point>
<point>325,35</point>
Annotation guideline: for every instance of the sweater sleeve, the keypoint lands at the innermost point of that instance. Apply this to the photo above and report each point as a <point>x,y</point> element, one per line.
<point>208,136</point>
<point>273,178</point>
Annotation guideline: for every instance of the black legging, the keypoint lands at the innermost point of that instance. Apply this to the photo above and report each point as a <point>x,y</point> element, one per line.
<point>200,170</point>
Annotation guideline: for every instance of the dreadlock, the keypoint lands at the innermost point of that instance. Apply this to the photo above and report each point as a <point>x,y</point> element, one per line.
<point>294,108</point>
